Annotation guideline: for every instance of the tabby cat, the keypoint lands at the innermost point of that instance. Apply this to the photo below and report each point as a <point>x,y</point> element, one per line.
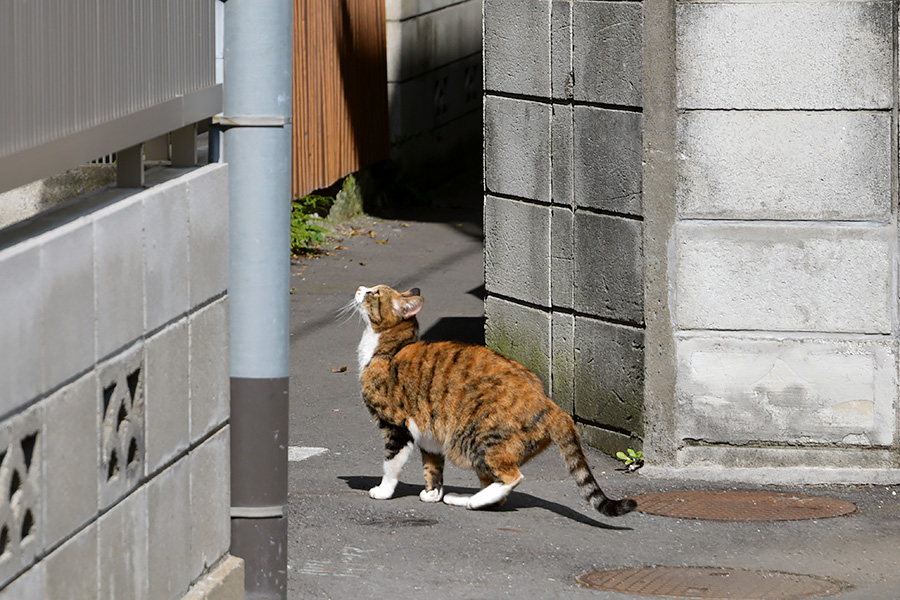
<point>460,401</point>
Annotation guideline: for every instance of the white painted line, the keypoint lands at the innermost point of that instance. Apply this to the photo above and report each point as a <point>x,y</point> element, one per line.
<point>298,453</point>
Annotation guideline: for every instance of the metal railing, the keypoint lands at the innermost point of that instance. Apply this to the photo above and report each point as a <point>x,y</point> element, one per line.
<point>84,78</point>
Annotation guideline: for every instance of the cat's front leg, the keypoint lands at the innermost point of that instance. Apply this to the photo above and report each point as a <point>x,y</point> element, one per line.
<point>433,467</point>
<point>398,445</point>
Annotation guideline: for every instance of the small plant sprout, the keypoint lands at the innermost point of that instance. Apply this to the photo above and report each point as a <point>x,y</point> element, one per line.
<point>634,460</point>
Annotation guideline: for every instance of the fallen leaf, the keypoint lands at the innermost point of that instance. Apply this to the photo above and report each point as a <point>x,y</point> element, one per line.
<point>381,241</point>
<point>337,410</point>
<point>362,264</point>
<point>404,224</point>
<point>341,248</point>
<point>339,370</point>
<point>372,234</point>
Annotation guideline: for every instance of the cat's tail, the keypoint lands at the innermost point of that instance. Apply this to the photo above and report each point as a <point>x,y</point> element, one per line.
<point>565,435</point>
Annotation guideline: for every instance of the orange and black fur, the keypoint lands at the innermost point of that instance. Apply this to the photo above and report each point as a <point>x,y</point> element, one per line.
<point>463,402</point>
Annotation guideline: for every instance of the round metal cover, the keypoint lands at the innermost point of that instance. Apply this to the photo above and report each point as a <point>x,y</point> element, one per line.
<point>706,583</point>
<point>735,505</point>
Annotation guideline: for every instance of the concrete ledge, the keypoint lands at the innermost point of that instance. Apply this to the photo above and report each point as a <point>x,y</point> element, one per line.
<point>225,581</point>
<point>778,475</point>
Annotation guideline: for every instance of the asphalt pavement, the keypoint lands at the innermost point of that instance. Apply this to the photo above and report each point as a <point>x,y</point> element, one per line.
<point>345,545</point>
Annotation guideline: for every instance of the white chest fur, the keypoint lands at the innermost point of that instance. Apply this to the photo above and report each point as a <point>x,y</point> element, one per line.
<point>366,348</point>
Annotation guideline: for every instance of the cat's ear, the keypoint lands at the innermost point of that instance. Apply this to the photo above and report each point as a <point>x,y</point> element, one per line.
<point>411,292</point>
<point>407,306</point>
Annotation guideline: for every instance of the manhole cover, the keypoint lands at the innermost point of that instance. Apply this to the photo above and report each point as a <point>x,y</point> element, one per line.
<point>710,583</point>
<point>400,522</point>
<point>737,505</point>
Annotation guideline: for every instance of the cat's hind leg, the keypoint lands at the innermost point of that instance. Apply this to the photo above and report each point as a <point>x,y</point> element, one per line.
<point>433,467</point>
<point>398,445</point>
<point>494,493</point>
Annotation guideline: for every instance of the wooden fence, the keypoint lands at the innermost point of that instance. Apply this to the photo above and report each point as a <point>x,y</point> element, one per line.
<point>340,90</point>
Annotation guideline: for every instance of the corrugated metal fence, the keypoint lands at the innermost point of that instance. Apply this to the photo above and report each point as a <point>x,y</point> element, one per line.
<point>340,90</point>
<point>83,78</point>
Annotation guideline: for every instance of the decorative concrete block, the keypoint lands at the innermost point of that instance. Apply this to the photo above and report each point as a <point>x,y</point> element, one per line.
<point>785,165</point>
<point>562,257</point>
<point>521,333</point>
<point>67,302</point>
<point>122,450</point>
<point>71,569</point>
<point>210,501</point>
<point>209,374</point>
<point>609,374</point>
<point>517,47</point>
<point>822,55</point>
<point>608,52</point>
<point>517,148</point>
<point>816,278</point>
<point>208,213</point>
<point>167,395</point>
<point>609,267</point>
<point>562,331</point>
<point>168,499</point>
<point>517,250</point>
<point>433,39</point>
<point>608,159</point>
<point>792,391</point>
<point>562,142</point>
<point>123,549</point>
<point>118,239</point>
<point>562,77</point>
<point>20,342</point>
<point>165,253</point>
<point>22,480</point>
<point>71,431</point>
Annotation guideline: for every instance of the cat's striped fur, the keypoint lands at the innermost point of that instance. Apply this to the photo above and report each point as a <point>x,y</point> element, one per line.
<point>460,401</point>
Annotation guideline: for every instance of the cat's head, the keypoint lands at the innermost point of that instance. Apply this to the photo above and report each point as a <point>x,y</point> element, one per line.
<point>383,307</point>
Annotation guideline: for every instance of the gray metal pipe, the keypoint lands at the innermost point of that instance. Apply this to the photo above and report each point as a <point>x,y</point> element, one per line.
<point>257,147</point>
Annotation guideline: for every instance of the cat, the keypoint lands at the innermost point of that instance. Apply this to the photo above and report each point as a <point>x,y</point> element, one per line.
<point>459,401</point>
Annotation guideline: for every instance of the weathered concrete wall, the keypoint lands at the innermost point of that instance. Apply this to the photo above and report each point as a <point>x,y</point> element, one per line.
<point>783,275</point>
<point>563,214</point>
<point>434,83</point>
<point>114,395</point>
<point>691,229</point>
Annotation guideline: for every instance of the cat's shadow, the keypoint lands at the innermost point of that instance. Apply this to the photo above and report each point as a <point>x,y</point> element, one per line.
<point>516,500</point>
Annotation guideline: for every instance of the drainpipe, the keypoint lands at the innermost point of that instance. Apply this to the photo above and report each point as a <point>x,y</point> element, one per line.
<point>257,148</point>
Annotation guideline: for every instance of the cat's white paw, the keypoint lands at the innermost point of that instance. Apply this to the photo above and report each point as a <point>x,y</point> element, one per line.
<point>434,495</point>
<point>381,492</point>
<point>457,500</point>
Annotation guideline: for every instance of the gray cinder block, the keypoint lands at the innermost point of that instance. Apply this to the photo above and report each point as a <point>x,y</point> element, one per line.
<point>517,46</point>
<point>207,190</point>
<point>517,148</point>
<point>608,52</point>
<point>209,375</point>
<point>828,55</point>
<point>71,569</point>
<point>814,278</point>
<point>167,395</point>
<point>67,302</point>
<point>609,267</point>
<point>72,457</point>
<point>789,391</point>
<point>169,519</point>
<point>20,341</point>
<point>785,165</point>
<point>521,333</point>
<point>609,374</point>
<point>166,266</point>
<point>517,250</point>
<point>562,257</point>
<point>123,546</point>
<point>210,501</point>
<point>608,159</point>
<point>120,274</point>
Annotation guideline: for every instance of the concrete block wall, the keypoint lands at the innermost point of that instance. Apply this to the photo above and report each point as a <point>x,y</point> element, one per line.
<point>563,204</point>
<point>434,82</point>
<point>114,437</point>
<point>691,228</point>
<point>783,278</point>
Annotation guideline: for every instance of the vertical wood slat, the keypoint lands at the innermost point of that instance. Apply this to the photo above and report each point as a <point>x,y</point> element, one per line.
<point>340,110</point>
